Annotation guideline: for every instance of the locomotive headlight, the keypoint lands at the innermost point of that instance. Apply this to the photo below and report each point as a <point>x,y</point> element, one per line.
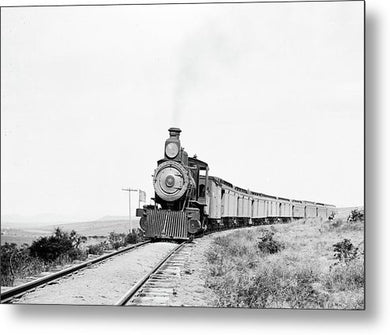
<point>171,150</point>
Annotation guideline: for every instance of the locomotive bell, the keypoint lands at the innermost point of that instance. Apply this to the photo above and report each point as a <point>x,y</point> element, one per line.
<point>172,144</point>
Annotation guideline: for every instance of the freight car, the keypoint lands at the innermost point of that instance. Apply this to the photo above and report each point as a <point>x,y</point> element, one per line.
<point>188,201</point>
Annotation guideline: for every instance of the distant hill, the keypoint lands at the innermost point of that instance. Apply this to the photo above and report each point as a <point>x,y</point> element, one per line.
<point>96,227</point>
<point>101,227</point>
<point>113,218</point>
<point>345,211</point>
<point>19,221</point>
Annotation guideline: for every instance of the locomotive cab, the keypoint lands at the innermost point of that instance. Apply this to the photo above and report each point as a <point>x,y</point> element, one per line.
<point>200,172</point>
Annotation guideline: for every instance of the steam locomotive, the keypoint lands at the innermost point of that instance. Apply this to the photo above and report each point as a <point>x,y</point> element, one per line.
<point>189,202</point>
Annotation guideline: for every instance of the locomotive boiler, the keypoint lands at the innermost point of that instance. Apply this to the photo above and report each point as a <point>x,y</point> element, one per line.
<point>188,201</point>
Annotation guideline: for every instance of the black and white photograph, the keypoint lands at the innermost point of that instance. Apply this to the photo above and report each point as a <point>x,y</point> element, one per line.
<point>205,155</point>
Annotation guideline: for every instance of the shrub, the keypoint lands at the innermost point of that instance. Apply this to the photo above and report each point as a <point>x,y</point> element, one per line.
<point>345,251</point>
<point>268,245</point>
<point>356,215</point>
<point>116,240</point>
<point>17,262</point>
<point>97,249</point>
<point>134,236</point>
<point>60,244</point>
<point>76,254</point>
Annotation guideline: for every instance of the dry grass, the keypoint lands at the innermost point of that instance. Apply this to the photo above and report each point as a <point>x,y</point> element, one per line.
<point>305,274</point>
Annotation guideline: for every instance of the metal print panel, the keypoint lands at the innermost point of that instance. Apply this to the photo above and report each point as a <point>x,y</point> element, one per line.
<point>191,154</point>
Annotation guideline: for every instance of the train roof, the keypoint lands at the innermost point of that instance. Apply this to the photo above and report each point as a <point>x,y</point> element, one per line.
<point>221,181</point>
<point>241,190</point>
<point>247,191</point>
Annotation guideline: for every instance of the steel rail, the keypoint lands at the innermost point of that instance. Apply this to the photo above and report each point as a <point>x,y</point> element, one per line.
<point>129,294</point>
<point>10,294</point>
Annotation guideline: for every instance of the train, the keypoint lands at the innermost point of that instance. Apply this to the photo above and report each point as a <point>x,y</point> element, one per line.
<point>189,202</point>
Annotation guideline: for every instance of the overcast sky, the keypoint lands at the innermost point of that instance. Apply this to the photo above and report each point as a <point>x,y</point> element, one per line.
<point>270,95</point>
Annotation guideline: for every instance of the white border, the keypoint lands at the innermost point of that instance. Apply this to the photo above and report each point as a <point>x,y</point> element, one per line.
<point>67,320</point>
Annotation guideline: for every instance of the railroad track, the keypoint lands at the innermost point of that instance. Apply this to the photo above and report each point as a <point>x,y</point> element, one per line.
<point>18,291</point>
<point>156,287</point>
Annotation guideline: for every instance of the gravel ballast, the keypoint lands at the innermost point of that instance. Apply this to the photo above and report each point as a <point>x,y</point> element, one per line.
<point>101,284</point>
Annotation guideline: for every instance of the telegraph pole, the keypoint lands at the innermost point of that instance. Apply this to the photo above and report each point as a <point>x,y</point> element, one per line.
<point>129,190</point>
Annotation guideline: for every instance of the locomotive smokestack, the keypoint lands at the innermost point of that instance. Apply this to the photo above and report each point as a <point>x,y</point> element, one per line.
<point>174,132</point>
